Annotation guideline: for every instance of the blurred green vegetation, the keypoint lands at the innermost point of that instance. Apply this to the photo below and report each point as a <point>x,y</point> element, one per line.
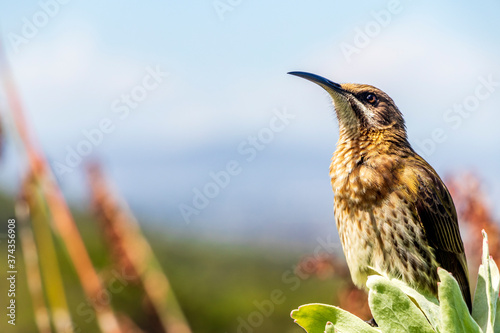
<point>219,286</point>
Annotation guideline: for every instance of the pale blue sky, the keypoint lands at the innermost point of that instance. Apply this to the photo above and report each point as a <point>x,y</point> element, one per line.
<point>225,78</point>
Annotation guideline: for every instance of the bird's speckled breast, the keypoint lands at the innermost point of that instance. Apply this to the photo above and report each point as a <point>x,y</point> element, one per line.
<point>376,219</point>
<point>360,174</point>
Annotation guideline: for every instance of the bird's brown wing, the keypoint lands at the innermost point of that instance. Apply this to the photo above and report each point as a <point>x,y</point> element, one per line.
<point>438,216</point>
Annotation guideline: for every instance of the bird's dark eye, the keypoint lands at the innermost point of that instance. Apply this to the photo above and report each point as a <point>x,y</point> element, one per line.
<point>372,99</point>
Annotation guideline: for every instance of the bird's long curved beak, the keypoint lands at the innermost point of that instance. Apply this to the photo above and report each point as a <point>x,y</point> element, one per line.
<point>341,98</point>
<point>323,82</point>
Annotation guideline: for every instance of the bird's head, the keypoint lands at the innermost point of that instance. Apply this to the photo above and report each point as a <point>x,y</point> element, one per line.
<point>361,107</point>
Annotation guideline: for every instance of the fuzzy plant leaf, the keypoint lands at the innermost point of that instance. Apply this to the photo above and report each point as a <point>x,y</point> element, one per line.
<point>480,304</point>
<point>484,309</point>
<point>496,327</point>
<point>314,317</point>
<point>425,301</point>
<point>392,308</point>
<point>399,308</point>
<point>455,315</point>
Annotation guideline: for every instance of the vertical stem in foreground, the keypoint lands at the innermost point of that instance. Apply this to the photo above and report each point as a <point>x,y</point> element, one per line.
<point>31,262</point>
<point>61,216</point>
<point>137,253</point>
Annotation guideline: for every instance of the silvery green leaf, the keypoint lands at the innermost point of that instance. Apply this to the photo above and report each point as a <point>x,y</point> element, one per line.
<point>486,296</point>
<point>455,315</point>
<point>480,304</point>
<point>496,327</point>
<point>426,302</point>
<point>392,308</point>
